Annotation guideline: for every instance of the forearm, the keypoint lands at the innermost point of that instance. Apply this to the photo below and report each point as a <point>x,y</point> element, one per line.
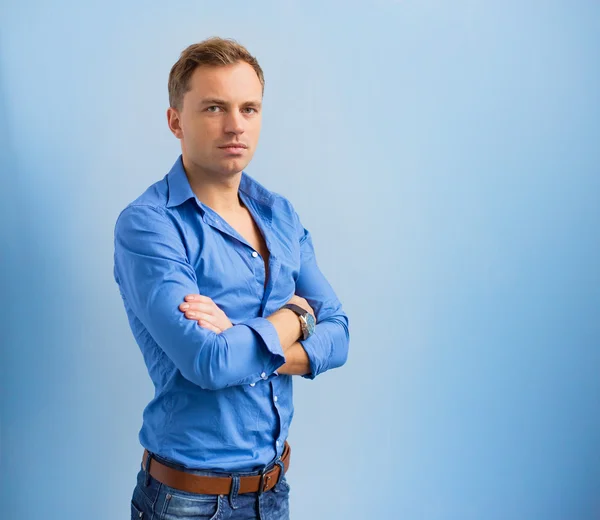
<point>327,347</point>
<point>244,360</point>
<point>236,356</point>
<point>287,325</point>
<point>296,361</point>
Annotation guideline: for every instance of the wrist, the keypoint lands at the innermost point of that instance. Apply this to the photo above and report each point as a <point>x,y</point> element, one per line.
<point>297,321</point>
<point>305,319</point>
<point>291,317</point>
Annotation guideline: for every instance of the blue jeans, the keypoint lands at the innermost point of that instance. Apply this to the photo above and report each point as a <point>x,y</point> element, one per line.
<point>152,500</point>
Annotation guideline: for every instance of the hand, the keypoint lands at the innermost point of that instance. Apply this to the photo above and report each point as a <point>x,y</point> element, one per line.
<point>301,302</point>
<point>206,312</point>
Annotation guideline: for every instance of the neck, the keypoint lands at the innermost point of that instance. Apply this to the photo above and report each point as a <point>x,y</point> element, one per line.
<point>217,190</point>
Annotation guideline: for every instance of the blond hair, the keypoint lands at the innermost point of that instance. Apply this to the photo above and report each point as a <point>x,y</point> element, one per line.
<point>212,51</point>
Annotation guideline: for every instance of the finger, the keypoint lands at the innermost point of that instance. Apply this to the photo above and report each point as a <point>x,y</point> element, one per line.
<point>193,315</point>
<point>197,298</point>
<point>197,306</point>
<point>206,325</point>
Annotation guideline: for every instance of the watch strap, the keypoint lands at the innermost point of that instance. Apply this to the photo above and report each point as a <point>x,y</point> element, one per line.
<point>296,308</point>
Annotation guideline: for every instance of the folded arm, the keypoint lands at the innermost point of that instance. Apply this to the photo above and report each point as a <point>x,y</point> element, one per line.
<point>154,275</point>
<point>327,347</point>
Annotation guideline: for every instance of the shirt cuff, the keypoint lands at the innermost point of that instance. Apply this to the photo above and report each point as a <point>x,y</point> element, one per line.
<point>270,339</point>
<point>308,345</point>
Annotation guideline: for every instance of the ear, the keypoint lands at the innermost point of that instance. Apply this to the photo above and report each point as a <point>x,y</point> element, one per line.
<point>174,122</point>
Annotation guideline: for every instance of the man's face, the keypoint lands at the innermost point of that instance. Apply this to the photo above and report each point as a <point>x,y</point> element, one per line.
<point>222,107</point>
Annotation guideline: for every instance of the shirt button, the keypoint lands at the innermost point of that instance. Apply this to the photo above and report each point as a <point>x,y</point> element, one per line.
<point>275,398</point>
<point>263,375</point>
<point>254,254</point>
<point>252,384</point>
<point>277,442</point>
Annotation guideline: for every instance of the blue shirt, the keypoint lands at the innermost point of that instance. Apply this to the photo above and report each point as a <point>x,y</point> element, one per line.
<point>219,403</point>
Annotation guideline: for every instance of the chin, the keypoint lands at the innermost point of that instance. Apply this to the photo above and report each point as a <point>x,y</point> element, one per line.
<point>233,166</point>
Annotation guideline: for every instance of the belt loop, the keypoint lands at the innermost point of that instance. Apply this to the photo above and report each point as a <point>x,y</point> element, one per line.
<point>148,462</point>
<point>279,462</point>
<point>233,494</point>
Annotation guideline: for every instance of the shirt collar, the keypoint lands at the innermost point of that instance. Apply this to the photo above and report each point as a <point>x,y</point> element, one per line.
<point>179,186</point>
<point>180,189</point>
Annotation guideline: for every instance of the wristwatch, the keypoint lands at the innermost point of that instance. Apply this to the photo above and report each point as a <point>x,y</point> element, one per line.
<point>307,321</point>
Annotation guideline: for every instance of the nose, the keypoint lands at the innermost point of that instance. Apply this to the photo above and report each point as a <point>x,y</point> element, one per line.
<point>234,123</point>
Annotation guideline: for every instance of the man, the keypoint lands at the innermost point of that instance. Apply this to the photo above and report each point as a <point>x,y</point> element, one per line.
<point>226,301</point>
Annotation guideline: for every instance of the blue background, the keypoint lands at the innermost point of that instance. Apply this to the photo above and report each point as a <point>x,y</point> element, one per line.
<point>446,158</point>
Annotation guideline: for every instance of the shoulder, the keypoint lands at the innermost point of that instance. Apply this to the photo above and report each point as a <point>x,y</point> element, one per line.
<point>152,203</point>
<point>146,212</point>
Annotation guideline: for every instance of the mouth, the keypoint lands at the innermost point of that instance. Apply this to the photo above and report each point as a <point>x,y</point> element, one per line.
<point>234,149</point>
<point>234,146</point>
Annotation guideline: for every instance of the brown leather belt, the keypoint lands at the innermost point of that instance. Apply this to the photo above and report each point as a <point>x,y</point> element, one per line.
<point>206,485</point>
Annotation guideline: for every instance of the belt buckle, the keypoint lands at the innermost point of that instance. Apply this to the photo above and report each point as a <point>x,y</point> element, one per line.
<point>264,482</point>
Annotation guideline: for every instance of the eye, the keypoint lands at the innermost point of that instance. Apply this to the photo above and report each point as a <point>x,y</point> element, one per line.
<point>210,109</point>
<point>250,110</point>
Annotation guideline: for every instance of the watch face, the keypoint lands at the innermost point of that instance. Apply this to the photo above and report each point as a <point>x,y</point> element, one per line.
<point>310,323</point>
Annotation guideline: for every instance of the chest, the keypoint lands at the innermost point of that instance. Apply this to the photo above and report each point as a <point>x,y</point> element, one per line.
<point>244,275</point>
<point>245,225</point>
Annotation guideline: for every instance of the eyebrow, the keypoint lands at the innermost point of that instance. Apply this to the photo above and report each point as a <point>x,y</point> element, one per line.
<point>217,101</point>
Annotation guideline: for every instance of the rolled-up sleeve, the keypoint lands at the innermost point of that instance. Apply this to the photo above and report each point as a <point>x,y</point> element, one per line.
<point>154,275</point>
<point>327,347</point>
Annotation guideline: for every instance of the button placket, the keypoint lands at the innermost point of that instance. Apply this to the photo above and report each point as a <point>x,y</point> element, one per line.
<point>275,384</point>
<point>263,221</point>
